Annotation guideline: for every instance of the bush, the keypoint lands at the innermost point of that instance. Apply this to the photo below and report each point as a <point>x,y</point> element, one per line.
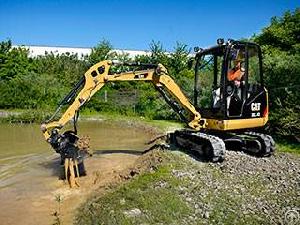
<point>281,49</point>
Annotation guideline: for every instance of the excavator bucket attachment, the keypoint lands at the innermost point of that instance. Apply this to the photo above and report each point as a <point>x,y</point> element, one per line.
<point>72,150</point>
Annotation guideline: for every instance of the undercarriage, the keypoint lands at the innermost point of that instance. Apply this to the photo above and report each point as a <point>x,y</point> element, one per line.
<point>212,145</point>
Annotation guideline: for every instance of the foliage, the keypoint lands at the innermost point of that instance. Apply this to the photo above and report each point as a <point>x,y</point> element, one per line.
<point>283,33</point>
<point>67,68</point>
<point>281,49</point>
<point>101,52</point>
<point>13,61</point>
<point>40,83</point>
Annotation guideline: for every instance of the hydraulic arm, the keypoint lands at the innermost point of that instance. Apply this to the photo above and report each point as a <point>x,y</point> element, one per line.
<point>98,75</point>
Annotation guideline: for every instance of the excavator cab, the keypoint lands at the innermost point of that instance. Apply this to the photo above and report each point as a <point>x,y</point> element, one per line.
<point>229,82</point>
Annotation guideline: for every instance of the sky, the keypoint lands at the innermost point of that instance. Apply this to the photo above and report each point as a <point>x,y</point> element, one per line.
<point>134,24</point>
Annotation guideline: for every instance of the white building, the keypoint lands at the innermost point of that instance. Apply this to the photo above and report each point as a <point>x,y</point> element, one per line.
<point>42,50</point>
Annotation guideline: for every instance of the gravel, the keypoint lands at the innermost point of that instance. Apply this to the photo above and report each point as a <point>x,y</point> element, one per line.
<point>254,190</point>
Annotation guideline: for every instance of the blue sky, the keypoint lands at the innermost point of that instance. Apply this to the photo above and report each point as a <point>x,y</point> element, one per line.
<point>134,24</point>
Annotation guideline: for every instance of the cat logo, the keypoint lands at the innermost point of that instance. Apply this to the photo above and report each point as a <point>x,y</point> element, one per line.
<point>255,106</point>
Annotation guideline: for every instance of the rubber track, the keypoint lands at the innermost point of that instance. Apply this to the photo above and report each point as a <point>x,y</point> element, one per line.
<point>217,144</point>
<point>267,141</point>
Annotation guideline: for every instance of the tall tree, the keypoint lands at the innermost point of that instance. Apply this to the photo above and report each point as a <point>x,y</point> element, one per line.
<point>280,43</point>
<point>101,52</point>
<point>13,61</point>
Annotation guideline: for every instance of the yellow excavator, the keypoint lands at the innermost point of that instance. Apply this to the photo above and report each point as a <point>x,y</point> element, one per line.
<point>229,117</point>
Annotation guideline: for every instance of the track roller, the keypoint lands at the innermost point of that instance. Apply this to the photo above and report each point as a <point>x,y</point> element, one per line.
<point>208,146</point>
<point>257,144</point>
<point>266,141</point>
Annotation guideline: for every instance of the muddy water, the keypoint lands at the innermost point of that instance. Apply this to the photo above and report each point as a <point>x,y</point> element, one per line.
<point>29,167</point>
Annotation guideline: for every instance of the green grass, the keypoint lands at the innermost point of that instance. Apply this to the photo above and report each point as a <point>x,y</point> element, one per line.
<point>287,146</point>
<point>25,116</point>
<point>159,204</point>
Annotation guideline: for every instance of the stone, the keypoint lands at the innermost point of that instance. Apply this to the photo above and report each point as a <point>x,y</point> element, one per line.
<point>206,215</point>
<point>133,212</point>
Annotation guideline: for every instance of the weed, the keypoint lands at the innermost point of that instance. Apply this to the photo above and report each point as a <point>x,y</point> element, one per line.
<point>57,213</point>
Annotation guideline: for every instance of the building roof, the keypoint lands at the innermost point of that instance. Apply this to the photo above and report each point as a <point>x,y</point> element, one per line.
<point>42,50</point>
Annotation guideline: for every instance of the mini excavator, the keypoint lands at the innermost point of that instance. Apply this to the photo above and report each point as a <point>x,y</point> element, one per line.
<point>229,117</point>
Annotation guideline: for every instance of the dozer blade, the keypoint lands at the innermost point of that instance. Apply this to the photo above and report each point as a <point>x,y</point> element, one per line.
<point>208,146</point>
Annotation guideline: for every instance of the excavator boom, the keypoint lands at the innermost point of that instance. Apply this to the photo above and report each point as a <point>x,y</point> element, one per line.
<point>98,75</point>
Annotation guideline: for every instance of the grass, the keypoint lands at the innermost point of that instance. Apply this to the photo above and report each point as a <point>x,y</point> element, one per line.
<point>24,116</point>
<point>152,193</point>
<point>287,146</point>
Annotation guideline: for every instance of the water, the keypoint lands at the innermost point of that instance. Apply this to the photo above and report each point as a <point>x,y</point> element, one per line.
<point>21,139</point>
<point>23,145</point>
<point>114,136</point>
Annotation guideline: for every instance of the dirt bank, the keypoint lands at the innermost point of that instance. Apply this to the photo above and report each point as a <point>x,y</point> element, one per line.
<point>31,197</point>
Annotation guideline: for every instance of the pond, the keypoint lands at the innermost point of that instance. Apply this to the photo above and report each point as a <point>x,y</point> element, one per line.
<point>24,144</point>
<point>29,168</point>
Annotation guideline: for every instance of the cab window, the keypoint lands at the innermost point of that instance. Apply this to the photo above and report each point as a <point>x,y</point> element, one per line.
<point>253,65</point>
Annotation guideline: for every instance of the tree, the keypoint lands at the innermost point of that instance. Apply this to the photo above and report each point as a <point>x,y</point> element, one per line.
<point>13,61</point>
<point>283,33</point>
<point>280,43</point>
<point>66,68</point>
<point>179,58</point>
<point>101,52</point>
